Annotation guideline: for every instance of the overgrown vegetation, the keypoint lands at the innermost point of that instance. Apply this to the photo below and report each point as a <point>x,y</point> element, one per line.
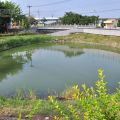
<point>17,34</point>
<point>92,39</point>
<point>90,103</point>
<point>16,41</point>
<point>8,41</point>
<point>78,104</point>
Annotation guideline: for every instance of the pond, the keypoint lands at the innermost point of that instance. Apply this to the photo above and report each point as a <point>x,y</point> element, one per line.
<point>50,69</point>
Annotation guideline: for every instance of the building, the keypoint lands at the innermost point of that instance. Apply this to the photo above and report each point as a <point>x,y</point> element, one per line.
<point>110,23</point>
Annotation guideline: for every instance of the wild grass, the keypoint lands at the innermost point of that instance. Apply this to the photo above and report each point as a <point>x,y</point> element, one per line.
<point>9,42</point>
<point>17,34</point>
<point>112,41</point>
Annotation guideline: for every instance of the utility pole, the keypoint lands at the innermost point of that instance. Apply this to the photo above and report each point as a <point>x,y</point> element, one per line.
<point>29,7</point>
<point>38,14</point>
<point>29,14</point>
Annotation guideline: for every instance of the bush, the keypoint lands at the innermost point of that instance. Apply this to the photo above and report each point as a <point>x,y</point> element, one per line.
<point>90,103</point>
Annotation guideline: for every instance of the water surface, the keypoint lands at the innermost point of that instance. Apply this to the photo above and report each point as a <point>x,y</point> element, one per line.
<point>47,69</point>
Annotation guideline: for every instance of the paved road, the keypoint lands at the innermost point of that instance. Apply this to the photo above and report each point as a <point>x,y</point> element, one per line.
<point>66,32</point>
<point>109,32</point>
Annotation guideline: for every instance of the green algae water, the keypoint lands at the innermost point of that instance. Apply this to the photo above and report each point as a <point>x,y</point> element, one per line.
<point>50,69</point>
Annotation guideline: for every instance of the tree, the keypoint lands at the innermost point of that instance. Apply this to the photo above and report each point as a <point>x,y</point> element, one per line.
<point>43,20</point>
<point>27,21</point>
<point>32,20</point>
<point>11,9</point>
<point>75,18</point>
<point>118,24</point>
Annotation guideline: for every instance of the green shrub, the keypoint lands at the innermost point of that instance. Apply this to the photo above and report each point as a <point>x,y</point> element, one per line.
<point>91,104</point>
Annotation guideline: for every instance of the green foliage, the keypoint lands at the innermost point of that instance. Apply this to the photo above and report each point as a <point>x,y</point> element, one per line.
<point>75,18</point>
<point>96,104</point>
<point>15,13</point>
<point>34,110</point>
<point>74,112</point>
<point>118,24</point>
<point>11,42</point>
<point>17,34</point>
<point>72,93</point>
<point>20,116</point>
<point>58,107</point>
<point>15,9</point>
<point>26,22</point>
<point>101,84</point>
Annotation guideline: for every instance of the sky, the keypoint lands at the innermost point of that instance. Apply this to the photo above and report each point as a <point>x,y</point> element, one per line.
<point>102,8</point>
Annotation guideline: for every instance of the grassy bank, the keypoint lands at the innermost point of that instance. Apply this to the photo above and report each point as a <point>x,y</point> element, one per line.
<point>8,42</point>
<point>112,41</point>
<point>17,34</point>
<point>16,41</point>
<point>76,103</point>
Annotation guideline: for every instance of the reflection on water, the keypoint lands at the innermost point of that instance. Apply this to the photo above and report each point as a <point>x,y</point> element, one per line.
<point>13,63</point>
<point>53,68</point>
<point>69,52</point>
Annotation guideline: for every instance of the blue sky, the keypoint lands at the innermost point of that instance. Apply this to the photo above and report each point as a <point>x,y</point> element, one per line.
<point>80,6</point>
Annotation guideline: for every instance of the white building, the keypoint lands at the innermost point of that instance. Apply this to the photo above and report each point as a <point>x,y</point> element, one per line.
<point>110,23</point>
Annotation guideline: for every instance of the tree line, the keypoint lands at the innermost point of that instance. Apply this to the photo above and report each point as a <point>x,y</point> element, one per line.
<point>75,18</point>
<point>10,11</point>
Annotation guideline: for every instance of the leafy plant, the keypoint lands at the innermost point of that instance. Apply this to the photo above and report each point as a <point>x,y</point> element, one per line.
<point>94,104</point>
<point>34,110</point>
<point>72,92</point>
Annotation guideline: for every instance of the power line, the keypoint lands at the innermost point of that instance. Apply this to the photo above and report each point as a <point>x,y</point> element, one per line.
<point>101,11</point>
<point>48,4</point>
<point>94,11</point>
<point>53,3</point>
